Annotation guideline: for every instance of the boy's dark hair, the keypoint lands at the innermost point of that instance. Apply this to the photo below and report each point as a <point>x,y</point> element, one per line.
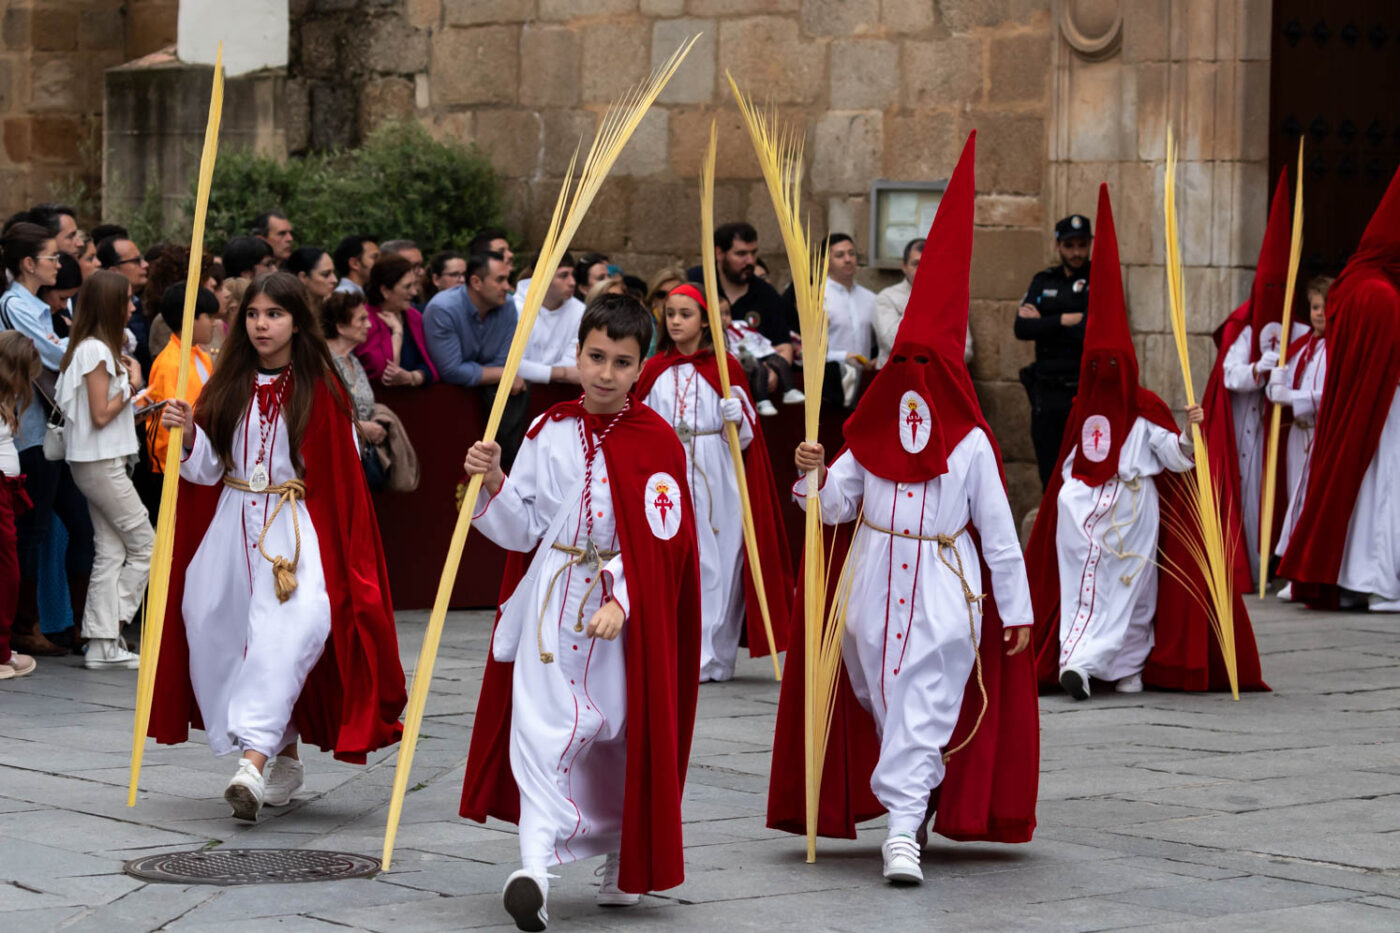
<point>350,247</point>
<point>833,239</point>
<point>620,317</point>
<point>567,260</point>
<point>481,243</point>
<point>103,231</point>
<point>172,305</point>
<point>243,254</point>
<point>1319,285</point>
<point>479,265</point>
<point>726,234</point>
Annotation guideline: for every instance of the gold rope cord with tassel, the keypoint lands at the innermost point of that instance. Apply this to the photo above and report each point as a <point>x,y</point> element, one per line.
<point>1266,511</point>
<point>707,241</point>
<point>619,123</point>
<point>779,149</point>
<point>1201,527</point>
<point>284,572</point>
<point>158,584</point>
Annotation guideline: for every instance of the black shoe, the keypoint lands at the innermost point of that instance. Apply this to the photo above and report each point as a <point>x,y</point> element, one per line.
<point>1075,683</point>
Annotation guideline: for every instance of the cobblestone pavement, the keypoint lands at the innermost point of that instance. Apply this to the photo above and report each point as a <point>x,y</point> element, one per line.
<point>1157,811</point>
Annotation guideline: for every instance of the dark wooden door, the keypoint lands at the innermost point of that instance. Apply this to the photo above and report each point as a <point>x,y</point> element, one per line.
<point>1335,78</point>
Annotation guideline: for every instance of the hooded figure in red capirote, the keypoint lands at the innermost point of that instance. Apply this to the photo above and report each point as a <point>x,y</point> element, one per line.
<point>1094,553</point>
<point>1348,534</point>
<point>1235,401</point>
<point>935,709</point>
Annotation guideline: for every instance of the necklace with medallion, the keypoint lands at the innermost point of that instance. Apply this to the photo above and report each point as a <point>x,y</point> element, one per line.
<point>268,399</point>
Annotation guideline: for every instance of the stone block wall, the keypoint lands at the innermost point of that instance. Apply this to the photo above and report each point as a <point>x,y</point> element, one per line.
<point>52,57</point>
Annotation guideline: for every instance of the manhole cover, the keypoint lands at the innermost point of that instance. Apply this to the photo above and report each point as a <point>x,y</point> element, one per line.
<point>251,866</point>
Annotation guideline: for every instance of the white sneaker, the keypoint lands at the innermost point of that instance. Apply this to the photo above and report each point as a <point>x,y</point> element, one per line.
<point>1286,594</point>
<point>283,777</point>
<point>1130,684</point>
<point>109,654</point>
<point>902,859</point>
<point>609,894</point>
<point>526,899</point>
<point>766,408</point>
<point>793,397</point>
<point>1075,683</point>
<point>1377,604</point>
<point>245,791</point>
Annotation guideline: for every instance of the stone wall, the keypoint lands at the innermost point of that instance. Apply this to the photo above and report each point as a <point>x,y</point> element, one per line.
<point>52,57</point>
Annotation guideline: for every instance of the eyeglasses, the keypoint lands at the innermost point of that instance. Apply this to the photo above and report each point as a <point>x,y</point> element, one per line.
<point>453,275</point>
<point>122,262</point>
<point>51,257</point>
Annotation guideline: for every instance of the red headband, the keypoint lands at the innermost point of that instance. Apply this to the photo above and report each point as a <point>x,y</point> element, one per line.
<point>686,290</point>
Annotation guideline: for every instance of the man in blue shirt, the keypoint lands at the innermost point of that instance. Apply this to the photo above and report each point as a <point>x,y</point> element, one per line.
<point>469,329</point>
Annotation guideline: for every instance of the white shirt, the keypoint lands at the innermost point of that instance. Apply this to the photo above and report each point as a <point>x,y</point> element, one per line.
<point>889,311</point>
<point>84,440</point>
<point>553,340</point>
<point>849,315</point>
<point>9,454</point>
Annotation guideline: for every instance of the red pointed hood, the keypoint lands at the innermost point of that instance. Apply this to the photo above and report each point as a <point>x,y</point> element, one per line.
<point>922,404</point>
<point>1271,274</point>
<point>1106,407</point>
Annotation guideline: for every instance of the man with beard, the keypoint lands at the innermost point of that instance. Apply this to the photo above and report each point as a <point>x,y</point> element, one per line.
<point>751,299</point>
<point>1052,314</point>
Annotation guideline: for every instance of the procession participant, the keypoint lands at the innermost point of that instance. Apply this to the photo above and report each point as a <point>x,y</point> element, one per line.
<point>587,707</point>
<point>681,384</point>
<point>1348,531</point>
<point>1299,387</point>
<point>1094,552</point>
<point>1234,402</point>
<point>279,623</point>
<point>937,590</point>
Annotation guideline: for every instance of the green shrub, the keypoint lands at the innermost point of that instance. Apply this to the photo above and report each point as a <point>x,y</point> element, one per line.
<point>400,183</point>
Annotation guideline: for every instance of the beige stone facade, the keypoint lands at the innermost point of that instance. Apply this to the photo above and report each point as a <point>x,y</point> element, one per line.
<point>52,57</point>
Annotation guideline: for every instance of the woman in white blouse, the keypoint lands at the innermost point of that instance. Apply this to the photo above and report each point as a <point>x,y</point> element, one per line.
<point>95,384</point>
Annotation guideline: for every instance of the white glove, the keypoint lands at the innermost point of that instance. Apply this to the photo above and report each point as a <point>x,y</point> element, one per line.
<point>732,409</point>
<point>1279,393</point>
<point>1267,360</point>
<point>1278,375</point>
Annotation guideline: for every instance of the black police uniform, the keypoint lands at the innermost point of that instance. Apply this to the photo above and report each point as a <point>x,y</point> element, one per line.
<point>1053,378</point>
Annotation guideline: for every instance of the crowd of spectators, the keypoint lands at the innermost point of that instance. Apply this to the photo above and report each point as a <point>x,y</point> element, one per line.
<point>103,317</point>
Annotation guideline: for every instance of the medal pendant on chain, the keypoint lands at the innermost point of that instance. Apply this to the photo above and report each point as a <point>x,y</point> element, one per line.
<point>259,478</point>
<point>684,432</point>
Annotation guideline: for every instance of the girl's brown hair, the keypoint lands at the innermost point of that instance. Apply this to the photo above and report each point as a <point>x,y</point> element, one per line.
<point>664,343</point>
<point>100,312</point>
<point>224,398</point>
<point>19,367</point>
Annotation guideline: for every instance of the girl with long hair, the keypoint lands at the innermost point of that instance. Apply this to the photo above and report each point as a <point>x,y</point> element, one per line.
<point>96,383</point>
<point>279,623</point>
<point>19,365</point>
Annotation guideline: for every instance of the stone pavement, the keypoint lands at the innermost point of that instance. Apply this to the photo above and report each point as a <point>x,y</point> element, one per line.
<point>1158,811</point>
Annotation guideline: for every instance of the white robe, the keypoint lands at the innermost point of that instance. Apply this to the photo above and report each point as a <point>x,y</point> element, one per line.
<point>250,654</point>
<point>568,736</point>
<point>1247,401</point>
<point>908,646</point>
<point>1371,557</point>
<point>683,394</point>
<point>1106,540</point>
<point>1305,401</point>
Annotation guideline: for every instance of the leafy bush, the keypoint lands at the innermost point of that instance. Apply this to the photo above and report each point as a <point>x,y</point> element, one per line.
<point>400,183</point>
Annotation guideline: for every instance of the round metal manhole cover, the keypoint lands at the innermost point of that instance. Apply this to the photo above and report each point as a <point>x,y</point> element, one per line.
<point>251,866</point>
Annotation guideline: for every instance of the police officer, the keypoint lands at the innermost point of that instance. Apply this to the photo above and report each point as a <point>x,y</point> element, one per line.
<point>1052,314</point>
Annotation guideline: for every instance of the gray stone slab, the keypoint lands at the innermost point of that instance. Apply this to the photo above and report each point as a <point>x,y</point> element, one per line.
<point>1337,916</point>
<point>1230,896</point>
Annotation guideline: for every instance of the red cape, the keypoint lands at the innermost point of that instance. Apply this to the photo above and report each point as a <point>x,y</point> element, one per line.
<point>1221,449</point>
<point>989,790</point>
<point>768,522</point>
<point>1185,655</point>
<point>353,697</point>
<point>1363,366</point>
<point>663,664</point>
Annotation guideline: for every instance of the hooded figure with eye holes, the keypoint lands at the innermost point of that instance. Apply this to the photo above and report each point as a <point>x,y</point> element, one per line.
<point>935,709</point>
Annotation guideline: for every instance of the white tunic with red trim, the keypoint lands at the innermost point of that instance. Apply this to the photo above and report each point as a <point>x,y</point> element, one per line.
<point>1106,541</point>
<point>1247,403</point>
<point>682,394</point>
<point>1306,399</point>
<point>568,743</point>
<point>250,654</point>
<point>908,647</point>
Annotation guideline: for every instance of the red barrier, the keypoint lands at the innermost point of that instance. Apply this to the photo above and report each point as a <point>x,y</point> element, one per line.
<point>443,421</point>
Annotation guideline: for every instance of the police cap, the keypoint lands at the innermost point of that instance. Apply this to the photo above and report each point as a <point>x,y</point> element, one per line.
<point>1072,226</point>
